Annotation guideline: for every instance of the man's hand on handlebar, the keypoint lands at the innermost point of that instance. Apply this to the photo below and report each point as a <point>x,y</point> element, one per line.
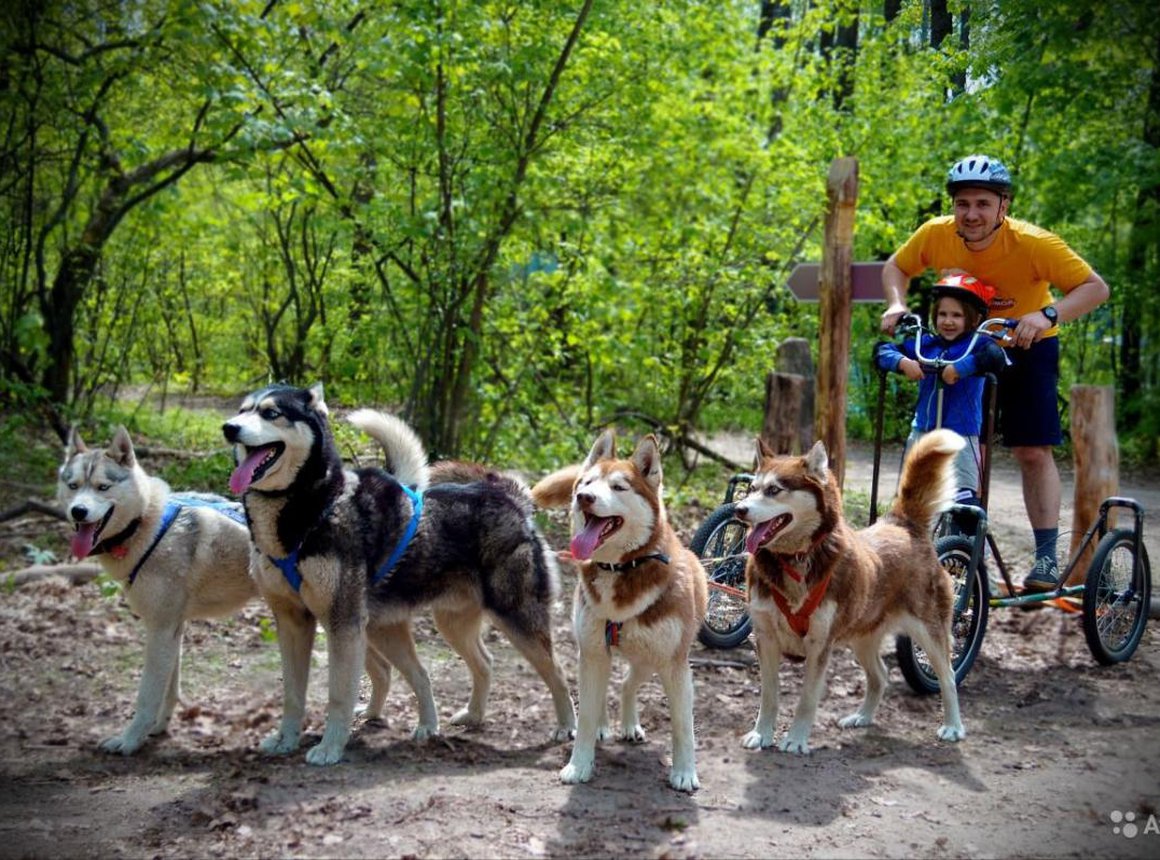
<point>891,316</point>
<point>1029,328</point>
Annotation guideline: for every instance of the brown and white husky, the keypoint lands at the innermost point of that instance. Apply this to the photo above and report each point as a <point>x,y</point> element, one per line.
<point>814,582</point>
<point>640,594</point>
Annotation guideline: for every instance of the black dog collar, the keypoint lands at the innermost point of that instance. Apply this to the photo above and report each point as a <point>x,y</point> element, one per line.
<point>111,544</point>
<point>636,562</point>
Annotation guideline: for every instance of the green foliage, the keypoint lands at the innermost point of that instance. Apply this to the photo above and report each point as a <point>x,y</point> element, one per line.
<point>455,211</point>
<point>39,555</point>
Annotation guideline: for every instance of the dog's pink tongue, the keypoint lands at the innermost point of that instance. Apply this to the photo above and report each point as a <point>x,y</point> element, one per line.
<point>82,540</point>
<point>585,543</point>
<point>243,476</point>
<point>756,537</point>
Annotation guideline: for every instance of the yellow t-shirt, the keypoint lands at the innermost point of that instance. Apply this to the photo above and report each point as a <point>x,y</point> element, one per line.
<point>1020,264</point>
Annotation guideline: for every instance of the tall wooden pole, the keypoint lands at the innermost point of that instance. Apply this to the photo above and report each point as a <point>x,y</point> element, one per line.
<point>1097,462</point>
<point>836,293</point>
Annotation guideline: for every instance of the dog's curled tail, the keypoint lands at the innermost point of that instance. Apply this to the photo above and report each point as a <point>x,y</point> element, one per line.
<point>927,485</point>
<point>555,490</point>
<point>405,455</point>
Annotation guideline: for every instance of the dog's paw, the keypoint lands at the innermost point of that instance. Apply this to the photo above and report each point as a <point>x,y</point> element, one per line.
<point>422,732</point>
<point>952,733</point>
<point>757,741</point>
<point>563,733</point>
<point>604,733</point>
<point>573,773</point>
<point>633,734</point>
<point>370,715</point>
<point>464,717</point>
<point>857,720</point>
<point>684,779</point>
<point>325,754</point>
<point>795,745</point>
<point>279,743</point>
<point>123,744</point>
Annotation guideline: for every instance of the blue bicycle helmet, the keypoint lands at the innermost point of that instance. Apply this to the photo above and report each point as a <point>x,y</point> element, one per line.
<point>979,171</point>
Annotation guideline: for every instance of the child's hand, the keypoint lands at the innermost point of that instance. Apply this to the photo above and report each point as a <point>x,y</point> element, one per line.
<point>911,369</point>
<point>949,375</point>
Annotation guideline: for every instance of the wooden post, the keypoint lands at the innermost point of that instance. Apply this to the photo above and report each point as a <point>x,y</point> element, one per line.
<point>836,292</point>
<point>1097,462</point>
<point>793,356</point>
<point>783,408</point>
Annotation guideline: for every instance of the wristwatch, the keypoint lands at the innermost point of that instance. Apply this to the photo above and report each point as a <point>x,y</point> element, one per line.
<point>1051,313</point>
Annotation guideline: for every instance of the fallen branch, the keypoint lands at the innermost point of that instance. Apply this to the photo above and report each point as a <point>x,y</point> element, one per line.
<point>678,440</point>
<point>151,451</point>
<point>32,506</point>
<point>77,574</point>
<point>723,664</point>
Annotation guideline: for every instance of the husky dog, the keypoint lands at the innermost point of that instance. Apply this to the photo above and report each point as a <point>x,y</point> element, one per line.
<point>177,556</point>
<point>640,593</point>
<point>815,583</point>
<point>362,551</point>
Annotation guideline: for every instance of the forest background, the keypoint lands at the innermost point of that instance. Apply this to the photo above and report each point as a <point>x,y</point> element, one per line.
<point>515,222</point>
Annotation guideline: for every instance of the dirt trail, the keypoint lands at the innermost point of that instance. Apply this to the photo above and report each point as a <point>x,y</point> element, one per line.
<point>1061,757</point>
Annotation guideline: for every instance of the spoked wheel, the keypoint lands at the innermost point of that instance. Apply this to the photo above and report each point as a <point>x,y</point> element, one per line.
<point>720,544</point>
<point>967,626</point>
<point>1116,597</point>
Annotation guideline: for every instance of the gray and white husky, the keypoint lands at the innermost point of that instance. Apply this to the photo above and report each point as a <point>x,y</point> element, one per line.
<point>177,557</point>
<point>362,551</point>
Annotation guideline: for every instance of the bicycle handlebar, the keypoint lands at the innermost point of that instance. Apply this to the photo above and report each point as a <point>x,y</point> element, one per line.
<point>996,328</point>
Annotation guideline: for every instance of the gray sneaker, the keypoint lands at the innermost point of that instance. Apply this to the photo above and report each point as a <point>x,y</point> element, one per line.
<point>1044,576</point>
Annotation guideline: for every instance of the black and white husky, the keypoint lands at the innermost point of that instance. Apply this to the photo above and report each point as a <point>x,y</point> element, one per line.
<point>361,551</point>
<point>178,556</point>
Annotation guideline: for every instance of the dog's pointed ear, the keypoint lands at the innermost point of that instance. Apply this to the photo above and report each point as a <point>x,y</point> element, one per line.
<point>317,402</point>
<point>763,449</point>
<point>604,448</point>
<point>817,461</point>
<point>121,448</point>
<point>647,458</point>
<point>76,445</point>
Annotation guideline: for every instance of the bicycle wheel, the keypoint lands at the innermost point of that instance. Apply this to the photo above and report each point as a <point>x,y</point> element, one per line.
<point>720,544</point>
<point>1116,597</point>
<point>967,626</point>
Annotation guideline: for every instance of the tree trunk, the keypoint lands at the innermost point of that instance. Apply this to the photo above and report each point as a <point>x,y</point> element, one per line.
<point>1141,239</point>
<point>940,22</point>
<point>774,12</point>
<point>76,271</point>
<point>839,47</point>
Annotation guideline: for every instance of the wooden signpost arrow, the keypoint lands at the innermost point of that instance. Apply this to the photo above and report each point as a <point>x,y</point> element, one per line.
<point>865,282</point>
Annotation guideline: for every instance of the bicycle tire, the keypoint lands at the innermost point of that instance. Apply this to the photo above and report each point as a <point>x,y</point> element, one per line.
<point>967,627</point>
<point>720,544</point>
<point>1117,596</point>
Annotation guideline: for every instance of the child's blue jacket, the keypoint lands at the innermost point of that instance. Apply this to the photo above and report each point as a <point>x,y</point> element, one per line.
<point>963,401</point>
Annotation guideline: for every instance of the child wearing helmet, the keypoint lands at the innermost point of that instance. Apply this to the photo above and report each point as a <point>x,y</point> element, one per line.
<point>960,305</point>
<point>1023,263</point>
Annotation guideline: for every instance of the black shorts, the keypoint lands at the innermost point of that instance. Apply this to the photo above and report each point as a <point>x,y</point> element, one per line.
<point>1028,396</point>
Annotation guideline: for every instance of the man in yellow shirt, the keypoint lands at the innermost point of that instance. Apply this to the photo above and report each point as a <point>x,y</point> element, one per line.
<point>1021,261</point>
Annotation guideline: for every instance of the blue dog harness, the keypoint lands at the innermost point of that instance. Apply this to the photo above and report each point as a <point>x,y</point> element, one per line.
<point>289,564</point>
<point>173,507</point>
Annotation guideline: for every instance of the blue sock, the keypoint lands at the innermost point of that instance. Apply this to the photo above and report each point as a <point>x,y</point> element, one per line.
<point>1045,543</point>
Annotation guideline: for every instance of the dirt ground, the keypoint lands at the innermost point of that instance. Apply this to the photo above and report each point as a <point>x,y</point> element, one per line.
<point>1061,757</point>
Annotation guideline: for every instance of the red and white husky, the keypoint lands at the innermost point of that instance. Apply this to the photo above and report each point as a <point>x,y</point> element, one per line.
<point>814,582</point>
<point>641,594</point>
